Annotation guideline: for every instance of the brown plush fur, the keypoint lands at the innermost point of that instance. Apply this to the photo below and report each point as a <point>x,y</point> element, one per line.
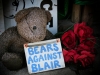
<point>26,24</point>
<point>31,27</point>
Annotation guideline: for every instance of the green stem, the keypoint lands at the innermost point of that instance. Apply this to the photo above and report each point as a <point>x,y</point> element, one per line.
<point>93,41</point>
<point>68,28</point>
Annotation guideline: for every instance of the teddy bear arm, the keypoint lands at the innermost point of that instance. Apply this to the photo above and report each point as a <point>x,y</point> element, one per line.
<point>10,54</point>
<point>3,45</point>
<point>12,61</point>
<point>6,40</point>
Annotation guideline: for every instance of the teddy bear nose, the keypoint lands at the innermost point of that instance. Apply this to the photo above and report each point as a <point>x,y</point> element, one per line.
<point>34,27</point>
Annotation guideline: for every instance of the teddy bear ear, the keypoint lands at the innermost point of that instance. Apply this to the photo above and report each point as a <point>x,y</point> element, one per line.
<point>21,14</point>
<point>48,16</point>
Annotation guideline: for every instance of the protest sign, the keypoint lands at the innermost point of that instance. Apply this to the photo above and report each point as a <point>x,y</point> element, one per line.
<point>44,56</point>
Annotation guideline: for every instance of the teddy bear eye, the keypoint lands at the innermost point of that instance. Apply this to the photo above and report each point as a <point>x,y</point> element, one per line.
<point>34,27</point>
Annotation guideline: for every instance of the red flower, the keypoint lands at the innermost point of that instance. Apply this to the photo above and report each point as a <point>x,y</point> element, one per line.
<point>86,58</point>
<point>76,57</point>
<point>69,55</point>
<point>83,47</point>
<point>65,52</point>
<point>69,39</point>
<point>79,44</point>
<point>82,30</point>
<point>90,41</point>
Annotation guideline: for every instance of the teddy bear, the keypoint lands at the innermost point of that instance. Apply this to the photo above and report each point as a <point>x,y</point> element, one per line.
<point>30,27</point>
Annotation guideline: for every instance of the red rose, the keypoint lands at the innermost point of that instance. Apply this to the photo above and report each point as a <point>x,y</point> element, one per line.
<point>82,30</point>
<point>86,58</point>
<point>90,42</point>
<point>80,45</point>
<point>69,55</point>
<point>69,39</point>
<point>83,47</point>
<point>65,52</point>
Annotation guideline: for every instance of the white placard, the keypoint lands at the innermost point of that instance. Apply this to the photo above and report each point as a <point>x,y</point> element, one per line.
<point>44,56</point>
<point>11,7</point>
<point>2,27</point>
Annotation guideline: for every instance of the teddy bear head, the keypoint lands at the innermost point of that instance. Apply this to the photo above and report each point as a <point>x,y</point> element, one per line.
<point>31,23</point>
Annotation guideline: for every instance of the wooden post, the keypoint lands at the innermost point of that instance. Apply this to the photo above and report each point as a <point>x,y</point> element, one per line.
<point>76,13</point>
<point>87,15</point>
